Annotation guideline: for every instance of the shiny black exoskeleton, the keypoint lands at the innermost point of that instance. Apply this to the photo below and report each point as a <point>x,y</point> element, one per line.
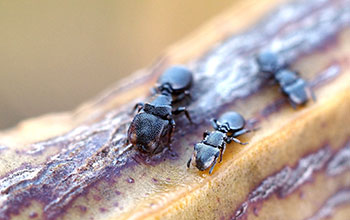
<point>292,85</point>
<point>152,127</point>
<point>229,126</point>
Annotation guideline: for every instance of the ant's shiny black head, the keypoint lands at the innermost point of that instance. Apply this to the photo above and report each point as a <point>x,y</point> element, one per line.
<point>269,62</point>
<point>229,122</point>
<point>175,80</point>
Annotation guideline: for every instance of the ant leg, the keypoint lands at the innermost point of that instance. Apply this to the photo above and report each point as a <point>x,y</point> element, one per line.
<point>236,140</point>
<point>178,99</point>
<point>293,104</point>
<point>244,131</point>
<point>172,124</point>
<point>223,148</point>
<point>180,110</point>
<point>189,162</point>
<point>154,91</point>
<point>205,134</point>
<point>182,96</point>
<point>214,123</point>
<point>188,94</point>
<point>241,132</point>
<point>144,149</point>
<point>137,106</point>
<point>212,166</point>
<point>161,148</point>
<point>311,93</point>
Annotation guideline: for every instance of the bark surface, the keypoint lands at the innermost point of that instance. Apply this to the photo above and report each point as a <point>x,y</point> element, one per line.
<point>76,164</point>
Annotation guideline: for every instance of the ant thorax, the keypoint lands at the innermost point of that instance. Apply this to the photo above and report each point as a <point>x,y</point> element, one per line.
<point>162,99</point>
<point>215,139</point>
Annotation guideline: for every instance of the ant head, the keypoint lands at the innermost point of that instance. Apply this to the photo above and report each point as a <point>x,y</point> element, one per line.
<point>204,156</point>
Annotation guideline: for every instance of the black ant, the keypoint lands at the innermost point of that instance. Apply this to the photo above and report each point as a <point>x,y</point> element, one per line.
<point>292,85</point>
<point>229,126</point>
<point>153,125</point>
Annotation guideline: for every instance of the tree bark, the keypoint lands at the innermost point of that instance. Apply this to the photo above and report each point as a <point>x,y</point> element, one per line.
<point>76,164</point>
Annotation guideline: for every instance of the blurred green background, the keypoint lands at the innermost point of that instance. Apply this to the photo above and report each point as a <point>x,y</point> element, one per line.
<point>56,54</point>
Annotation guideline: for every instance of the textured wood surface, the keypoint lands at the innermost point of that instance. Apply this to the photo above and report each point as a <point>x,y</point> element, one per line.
<point>296,166</point>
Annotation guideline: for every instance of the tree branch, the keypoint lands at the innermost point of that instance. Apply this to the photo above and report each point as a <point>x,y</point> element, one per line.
<point>76,164</point>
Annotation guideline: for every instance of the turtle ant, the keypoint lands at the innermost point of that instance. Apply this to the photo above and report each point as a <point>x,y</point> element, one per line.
<point>153,125</point>
<point>292,85</point>
<point>229,126</point>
